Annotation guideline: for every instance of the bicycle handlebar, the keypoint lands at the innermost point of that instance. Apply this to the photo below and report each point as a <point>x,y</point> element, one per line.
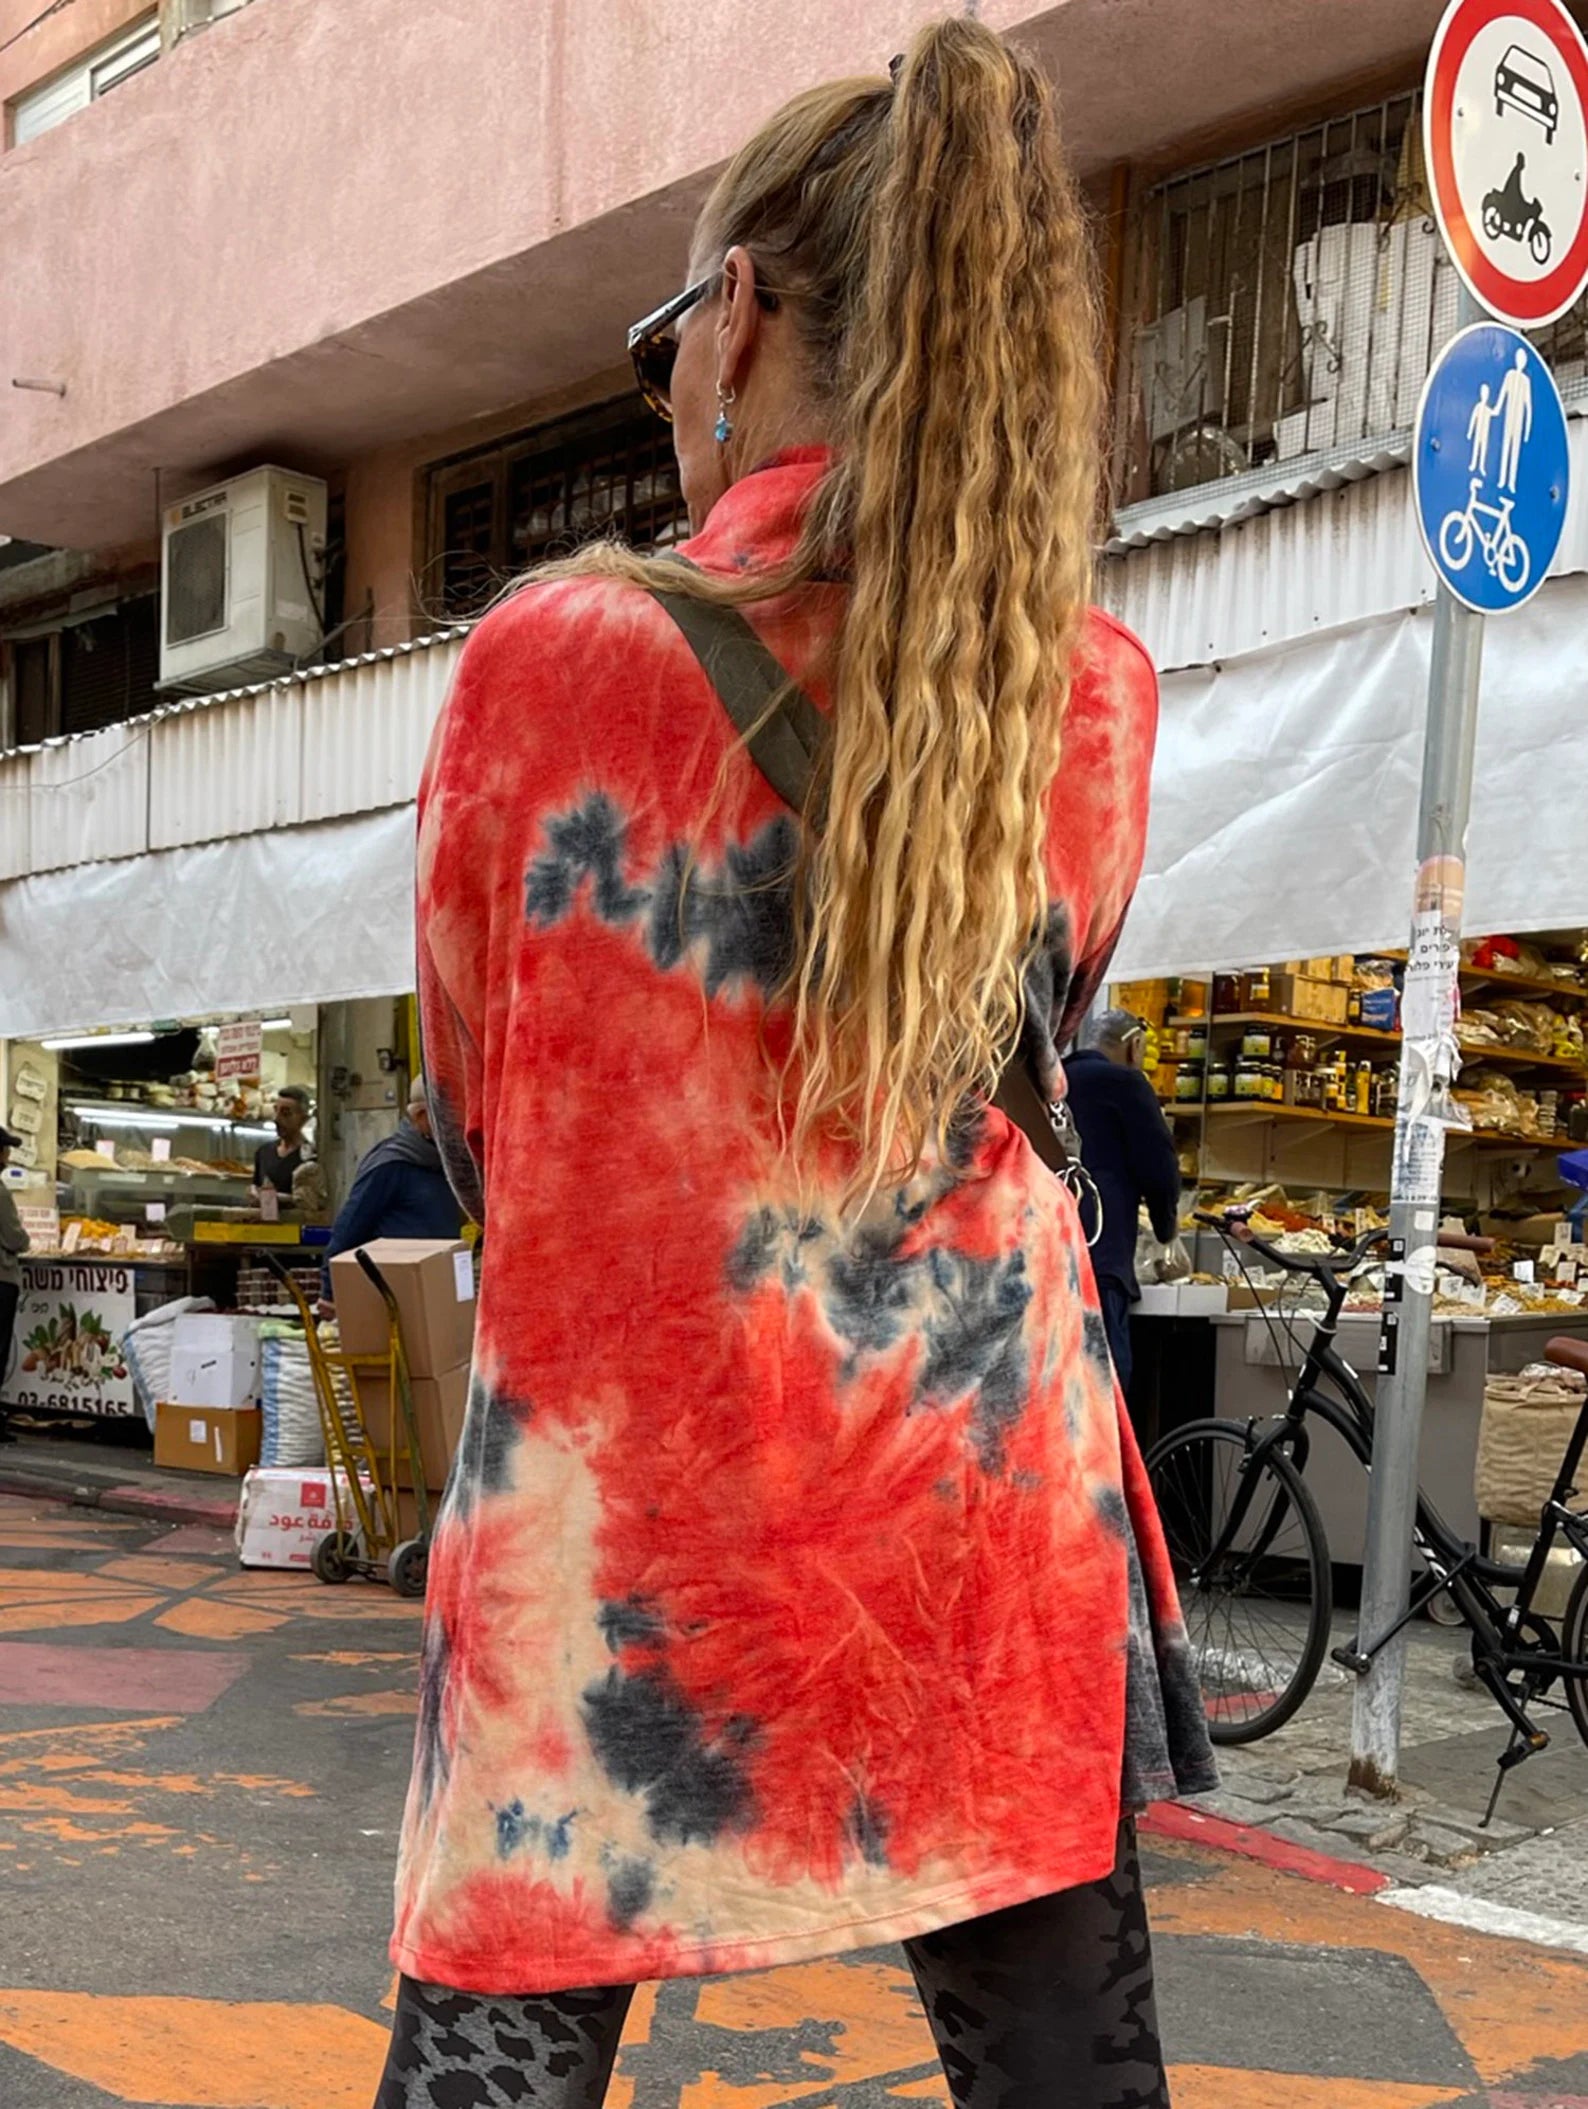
<point>1233,1224</point>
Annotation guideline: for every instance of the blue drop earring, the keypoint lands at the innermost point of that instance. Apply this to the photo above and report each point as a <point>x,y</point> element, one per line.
<point>726,398</point>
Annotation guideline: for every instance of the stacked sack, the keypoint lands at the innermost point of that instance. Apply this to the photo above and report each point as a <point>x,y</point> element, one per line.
<point>1527,1422</point>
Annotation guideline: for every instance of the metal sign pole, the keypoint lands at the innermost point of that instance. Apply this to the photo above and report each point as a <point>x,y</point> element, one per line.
<point>1428,1064</point>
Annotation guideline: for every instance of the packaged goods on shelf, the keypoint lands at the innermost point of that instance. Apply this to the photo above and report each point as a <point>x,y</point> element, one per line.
<point>1316,1002</point>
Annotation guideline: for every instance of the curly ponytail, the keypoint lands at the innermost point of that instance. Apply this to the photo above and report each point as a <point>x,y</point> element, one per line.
<point>929,240</point>
<point>965,492</point>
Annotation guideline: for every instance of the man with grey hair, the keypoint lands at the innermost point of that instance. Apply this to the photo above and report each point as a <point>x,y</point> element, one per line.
<point>1127,1148</point>
<point>400,1189</point>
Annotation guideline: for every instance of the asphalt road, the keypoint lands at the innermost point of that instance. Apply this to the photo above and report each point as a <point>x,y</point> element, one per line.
<point>201,1778</point>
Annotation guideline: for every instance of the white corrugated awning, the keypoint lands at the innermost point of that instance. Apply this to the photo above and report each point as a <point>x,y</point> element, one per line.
<point>1285,792</point>
<point>1344,555</point>
<point>315,914</point>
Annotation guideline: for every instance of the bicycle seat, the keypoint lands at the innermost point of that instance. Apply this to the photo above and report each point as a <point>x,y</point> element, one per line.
<point>1568,1354</point>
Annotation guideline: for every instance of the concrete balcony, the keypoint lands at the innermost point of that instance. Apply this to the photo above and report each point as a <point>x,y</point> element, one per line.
<point>319,230</point>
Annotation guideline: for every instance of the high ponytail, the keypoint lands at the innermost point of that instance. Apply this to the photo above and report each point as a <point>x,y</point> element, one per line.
<point>928,238</point>
<point>965,491</point>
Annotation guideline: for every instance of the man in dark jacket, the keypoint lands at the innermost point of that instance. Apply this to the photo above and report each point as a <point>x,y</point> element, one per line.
<point>400,1190</point>
<point>1127,1148</point>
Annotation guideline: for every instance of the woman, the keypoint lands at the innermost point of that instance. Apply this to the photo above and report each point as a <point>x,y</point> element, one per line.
<point>796,1588</point>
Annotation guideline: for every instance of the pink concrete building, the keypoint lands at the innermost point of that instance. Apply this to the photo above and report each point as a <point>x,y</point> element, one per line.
<point>392,250</point>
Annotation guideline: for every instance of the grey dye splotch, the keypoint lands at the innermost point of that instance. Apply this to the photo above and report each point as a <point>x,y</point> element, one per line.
<point>492,1429</point>
<point>867,1831</point>
<point>742,912</point>
<point>1094,1343</point>
<point>772,1241</point>
<point>970,1314</point>
<point>587,843</point>
<point>432,1762</point>
<point>633,1623</point>
<point>519,1830</point>
<point>630,1888</point>
<point>975,1335</point>
<point>649,1741</point>
<point>1167,1751</point>
<point>735,916</point>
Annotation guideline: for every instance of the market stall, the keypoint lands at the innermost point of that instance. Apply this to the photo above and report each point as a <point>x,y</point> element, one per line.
<point>136,1182</point>
<point>1280,1083</point>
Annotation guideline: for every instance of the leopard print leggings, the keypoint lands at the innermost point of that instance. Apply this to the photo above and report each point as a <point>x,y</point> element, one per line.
<point>1048,2005</point>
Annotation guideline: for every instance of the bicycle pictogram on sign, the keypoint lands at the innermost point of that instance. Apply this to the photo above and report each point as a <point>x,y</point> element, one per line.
<point>1491,468</point>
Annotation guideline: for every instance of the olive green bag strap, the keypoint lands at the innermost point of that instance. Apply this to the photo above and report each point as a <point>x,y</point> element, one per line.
<point>783,731</point>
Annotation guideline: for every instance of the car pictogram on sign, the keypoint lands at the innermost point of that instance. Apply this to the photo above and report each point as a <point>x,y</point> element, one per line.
<point>1523,81</point>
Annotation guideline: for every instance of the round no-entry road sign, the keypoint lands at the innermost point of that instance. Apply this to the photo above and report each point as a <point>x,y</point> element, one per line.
<point>1505,134</point>
<point>1490,468</point>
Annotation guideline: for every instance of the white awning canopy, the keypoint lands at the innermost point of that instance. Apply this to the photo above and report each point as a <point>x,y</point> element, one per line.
<point>1285,792</point>
<point>253,923</point>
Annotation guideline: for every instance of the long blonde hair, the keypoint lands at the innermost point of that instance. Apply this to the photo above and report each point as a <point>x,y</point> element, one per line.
<point>929,240</point>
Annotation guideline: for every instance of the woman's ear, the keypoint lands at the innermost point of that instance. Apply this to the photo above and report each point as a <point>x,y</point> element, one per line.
<point>739,319</point>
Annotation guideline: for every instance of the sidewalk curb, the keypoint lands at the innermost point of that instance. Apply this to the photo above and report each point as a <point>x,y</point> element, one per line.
<point>153,1504</point>
<point>1186,1825</point>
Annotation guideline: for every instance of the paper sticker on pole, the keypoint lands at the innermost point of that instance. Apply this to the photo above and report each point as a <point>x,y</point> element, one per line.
<point>1490,468</point>
<point>1505,136</point>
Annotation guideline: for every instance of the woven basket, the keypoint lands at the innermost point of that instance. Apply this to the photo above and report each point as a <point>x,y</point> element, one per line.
<point>1527,1423</point>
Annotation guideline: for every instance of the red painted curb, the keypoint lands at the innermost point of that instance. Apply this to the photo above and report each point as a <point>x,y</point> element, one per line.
<point>170,1508</point>
<point>121,1501</point>
<point>1170,1819</point>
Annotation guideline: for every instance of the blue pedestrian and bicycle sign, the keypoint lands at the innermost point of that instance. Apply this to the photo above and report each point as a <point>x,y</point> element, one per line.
<point>1491,468</point>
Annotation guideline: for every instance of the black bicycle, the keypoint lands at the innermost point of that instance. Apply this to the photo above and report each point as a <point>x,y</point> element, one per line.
<point>1251,1556</point>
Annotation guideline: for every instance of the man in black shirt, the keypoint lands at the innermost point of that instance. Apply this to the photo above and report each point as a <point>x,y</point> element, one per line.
<point>1127,1148</point>
<point>275,1162</point>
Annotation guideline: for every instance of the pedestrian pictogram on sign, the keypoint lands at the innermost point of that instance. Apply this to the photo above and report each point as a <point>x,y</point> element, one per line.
<point>1505,134</point>
<point>1491,468</point>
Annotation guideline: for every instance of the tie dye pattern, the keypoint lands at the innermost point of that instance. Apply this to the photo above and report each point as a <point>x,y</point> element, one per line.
<point>792,1591</point>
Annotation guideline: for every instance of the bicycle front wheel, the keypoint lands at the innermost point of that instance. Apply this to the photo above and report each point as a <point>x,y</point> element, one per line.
<point>1574,1648</point>
<point>1251,1563</point>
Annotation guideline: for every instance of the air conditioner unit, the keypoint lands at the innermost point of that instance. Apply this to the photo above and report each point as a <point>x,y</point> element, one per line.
<point>241,572</point>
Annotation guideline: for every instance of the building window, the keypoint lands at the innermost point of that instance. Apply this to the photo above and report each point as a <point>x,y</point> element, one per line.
<point>491,515</point>
<point>85,80</point>
<point>1290,302</point>
<point>99,670</point>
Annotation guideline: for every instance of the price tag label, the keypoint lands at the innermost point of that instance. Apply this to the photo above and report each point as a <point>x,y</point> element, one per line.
<point>160,1149</point>
<point>1524,1271</point>
<point>269,1205</point>
<point>107,1150</point>
<point>154,1212</point>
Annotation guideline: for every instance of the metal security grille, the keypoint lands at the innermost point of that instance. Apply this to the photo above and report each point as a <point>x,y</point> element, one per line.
<point>196,578</point>
<point>1291,301</point>
<point>606,473</point>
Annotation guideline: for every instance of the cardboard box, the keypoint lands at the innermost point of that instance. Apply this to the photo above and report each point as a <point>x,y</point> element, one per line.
<point>1313,1002</point>
<point>201,1377</point>
<point>433,1282</point>
<point>223,1440</point>
<point>1200,1299</point>
<point>439,1406</point>
<point>214,1360</point>
<point>283,1513</point>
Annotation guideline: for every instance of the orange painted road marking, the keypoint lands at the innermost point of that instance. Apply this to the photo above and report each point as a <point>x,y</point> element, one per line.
<point>201,2053</point>
<point>49,1616</point>
<point>202,1619</point>
<point>149,1571</point>
<point>1224,2087</point>
<point>352,1705</point>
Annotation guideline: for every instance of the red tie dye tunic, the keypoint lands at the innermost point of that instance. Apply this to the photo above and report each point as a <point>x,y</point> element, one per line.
<point>792,1592</point>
